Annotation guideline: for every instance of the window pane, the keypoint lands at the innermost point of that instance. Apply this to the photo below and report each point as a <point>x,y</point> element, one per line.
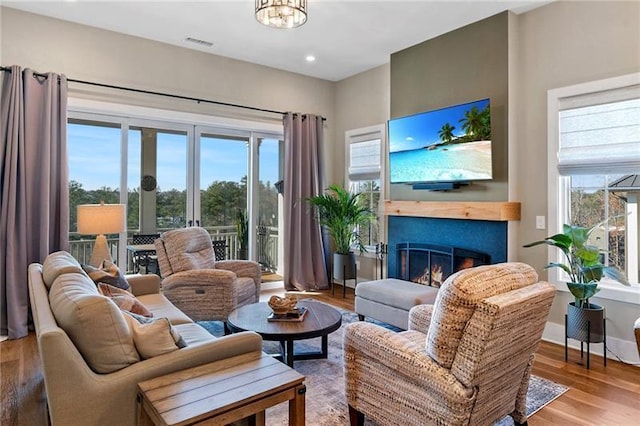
<point>223,180</point>
<point>223,189</point>
<point>370,190</point>
<point>269,153</point>
<point>93,178</point>
<point>587,206</point>
<point>612,209</point>
<point>171,192</point>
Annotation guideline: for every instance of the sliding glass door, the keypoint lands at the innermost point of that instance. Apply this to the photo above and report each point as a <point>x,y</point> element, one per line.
<point>238,200</point>
<point>159,177</point>
<point>94,176</point>
<point>269,202</point>
<point>179,175</point>
<point>223,169</point>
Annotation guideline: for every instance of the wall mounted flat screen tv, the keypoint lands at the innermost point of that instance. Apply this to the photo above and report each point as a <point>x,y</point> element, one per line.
<point>451,144</point>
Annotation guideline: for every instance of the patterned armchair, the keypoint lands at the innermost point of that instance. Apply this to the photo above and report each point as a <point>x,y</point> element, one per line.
<point>200,286</point>
<point>464,360</point>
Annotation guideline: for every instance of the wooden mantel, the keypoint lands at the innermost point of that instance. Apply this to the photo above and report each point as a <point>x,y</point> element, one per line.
<point>473,210</point>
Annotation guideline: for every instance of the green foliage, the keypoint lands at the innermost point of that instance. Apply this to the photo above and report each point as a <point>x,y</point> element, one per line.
<point>242,228</point>
<point>476,123</point>
<point>219,204</point>
<point>446,132</point>
<point>582,262</point>
<point>341,213</point>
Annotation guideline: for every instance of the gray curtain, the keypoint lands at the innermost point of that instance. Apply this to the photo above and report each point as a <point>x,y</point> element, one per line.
<point>304,265</point>
<point>34,209</point>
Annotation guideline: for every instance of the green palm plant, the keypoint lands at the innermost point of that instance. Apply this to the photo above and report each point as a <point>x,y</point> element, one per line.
<point>477,124</point>
<point>446,132</point>
<point>583,262</point>
<point>242,228</point>
<point>472,121</point>
<point>341,213</point>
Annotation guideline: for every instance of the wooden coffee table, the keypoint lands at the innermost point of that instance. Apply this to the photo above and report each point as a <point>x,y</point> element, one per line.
<point>321,320</point>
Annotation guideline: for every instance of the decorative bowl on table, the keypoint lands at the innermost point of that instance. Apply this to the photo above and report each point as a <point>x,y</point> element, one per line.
<point>282,305</point>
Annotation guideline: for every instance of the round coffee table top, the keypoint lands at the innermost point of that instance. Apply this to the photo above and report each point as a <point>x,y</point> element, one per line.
<point>321,320</point>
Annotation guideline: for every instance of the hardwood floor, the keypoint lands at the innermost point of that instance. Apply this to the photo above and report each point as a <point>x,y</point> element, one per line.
<point>599,396</point>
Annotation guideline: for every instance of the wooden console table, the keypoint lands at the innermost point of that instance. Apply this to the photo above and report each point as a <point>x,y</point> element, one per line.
<point>222,392</point>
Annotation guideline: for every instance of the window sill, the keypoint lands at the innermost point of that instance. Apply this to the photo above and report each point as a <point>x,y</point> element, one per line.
<point>613,291</point>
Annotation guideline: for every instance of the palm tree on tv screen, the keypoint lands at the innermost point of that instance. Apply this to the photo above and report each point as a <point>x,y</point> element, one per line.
<point>477,123</point>
<point>446,132</point>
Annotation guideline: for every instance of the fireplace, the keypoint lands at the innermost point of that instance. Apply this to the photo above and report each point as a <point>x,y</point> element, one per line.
<point>431,264</point>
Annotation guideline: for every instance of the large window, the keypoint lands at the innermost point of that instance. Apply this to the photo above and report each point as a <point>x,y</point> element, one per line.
<point>175,170</point>
<point>364,153</point>
<point>594,166</point>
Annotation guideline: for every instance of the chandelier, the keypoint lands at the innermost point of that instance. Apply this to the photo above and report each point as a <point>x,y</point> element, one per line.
<point>281,13</point>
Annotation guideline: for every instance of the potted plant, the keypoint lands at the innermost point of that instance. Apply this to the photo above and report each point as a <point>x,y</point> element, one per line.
<point>585,321</point>
<point>341,213</point>
<point>242,228</point>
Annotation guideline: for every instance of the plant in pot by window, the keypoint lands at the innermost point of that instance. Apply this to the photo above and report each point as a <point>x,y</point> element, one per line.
<point>342,213</point>
<point>585,271</point>
<point>242,228</point>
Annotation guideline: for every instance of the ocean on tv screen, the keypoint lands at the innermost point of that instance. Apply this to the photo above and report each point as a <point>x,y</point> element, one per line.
<point>469,161</point>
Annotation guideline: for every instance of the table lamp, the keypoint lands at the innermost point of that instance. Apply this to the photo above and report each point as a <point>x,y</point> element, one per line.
<point>101,219</point>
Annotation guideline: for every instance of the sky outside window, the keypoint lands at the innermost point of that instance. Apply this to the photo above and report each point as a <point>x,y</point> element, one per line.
<point>94,159</point>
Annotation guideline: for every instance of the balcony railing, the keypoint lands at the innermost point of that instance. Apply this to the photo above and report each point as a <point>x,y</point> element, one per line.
<point>81,247</point>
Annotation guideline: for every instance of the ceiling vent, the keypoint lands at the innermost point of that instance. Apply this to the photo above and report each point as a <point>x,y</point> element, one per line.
<point>198,41</point>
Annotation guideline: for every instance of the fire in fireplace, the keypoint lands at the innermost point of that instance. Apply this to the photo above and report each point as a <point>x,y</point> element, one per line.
<point>431,264</point>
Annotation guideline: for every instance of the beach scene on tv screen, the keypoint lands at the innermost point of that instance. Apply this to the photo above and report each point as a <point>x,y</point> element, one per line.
<point>445,145</point>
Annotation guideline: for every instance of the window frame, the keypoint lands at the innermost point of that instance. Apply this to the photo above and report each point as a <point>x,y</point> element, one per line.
<point>127,115</point>
<point>559,187</point>
<point>370,133</point>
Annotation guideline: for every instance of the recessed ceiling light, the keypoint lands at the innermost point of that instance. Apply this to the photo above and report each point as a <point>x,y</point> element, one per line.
<point>198,41</point>
<point>310,58</point>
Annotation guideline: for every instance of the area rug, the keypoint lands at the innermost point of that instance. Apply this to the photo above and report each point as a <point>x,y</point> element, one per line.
<point>325,400</point>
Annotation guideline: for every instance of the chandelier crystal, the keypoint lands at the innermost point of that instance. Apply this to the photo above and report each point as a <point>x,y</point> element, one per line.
<point>281,13</point>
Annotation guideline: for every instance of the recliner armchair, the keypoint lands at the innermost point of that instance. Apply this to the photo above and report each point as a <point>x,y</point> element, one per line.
<point>200,286</point>
<point>466,360</point>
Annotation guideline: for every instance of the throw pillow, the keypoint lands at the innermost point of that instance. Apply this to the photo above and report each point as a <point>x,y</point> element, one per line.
<point>107,273</point>
<point>125,300</point>
<point>154,338</point>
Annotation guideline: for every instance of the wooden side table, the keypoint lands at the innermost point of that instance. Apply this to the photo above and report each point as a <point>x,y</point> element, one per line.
<point>222,392</point>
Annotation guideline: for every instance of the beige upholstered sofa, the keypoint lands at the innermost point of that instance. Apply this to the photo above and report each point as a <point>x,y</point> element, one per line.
<point>465,360</point>
<point>90,351</point>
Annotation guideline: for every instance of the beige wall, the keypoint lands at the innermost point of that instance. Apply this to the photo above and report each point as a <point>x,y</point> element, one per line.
<point>361,101</point>
<point>558,45</point>
<point>464,65</point>
<point>93,54</point>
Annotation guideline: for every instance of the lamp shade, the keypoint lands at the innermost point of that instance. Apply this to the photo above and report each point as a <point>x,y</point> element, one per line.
<point>96,219</point>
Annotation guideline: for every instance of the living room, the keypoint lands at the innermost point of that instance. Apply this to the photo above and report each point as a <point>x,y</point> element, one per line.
<point>531,53</point>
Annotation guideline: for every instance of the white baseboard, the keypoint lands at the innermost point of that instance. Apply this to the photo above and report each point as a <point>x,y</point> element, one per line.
<point>625,349</point>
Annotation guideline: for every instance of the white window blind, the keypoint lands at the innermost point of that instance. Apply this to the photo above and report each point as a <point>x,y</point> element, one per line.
<point>365,160</point>
<point>599,132</point>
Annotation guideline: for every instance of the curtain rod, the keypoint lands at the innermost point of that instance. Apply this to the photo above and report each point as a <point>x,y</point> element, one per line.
<point>170,95</point>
